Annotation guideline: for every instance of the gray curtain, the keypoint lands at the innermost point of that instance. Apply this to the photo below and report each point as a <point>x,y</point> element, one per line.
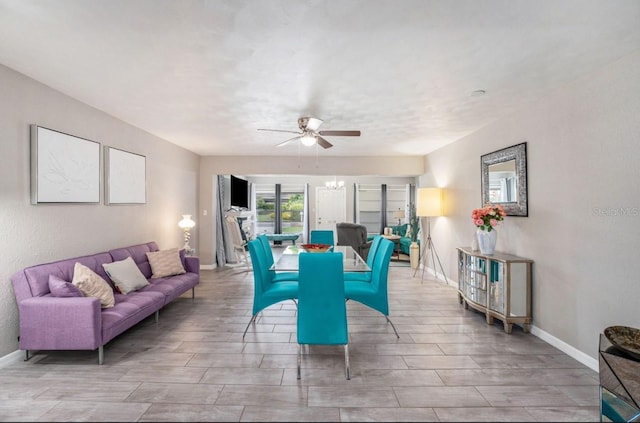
<point>383,208</point>
<point>221,228</point>
<point>305,222</point>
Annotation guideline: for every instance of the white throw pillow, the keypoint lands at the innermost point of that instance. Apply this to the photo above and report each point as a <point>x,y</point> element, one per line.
<point>93,285</point>
<point>408,233</point>
<point>165,263</point>
<point>126,275</point>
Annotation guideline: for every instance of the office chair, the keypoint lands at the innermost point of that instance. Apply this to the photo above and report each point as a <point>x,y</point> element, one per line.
<point>321,236</point>
<point>366,276</point>
<point>322,309</point>
<point>374,294</point>
<point>275,276</point>
<point>265,292</point>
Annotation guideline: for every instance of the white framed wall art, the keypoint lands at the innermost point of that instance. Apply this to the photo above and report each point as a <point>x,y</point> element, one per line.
<point>64,168</point>
<point>125,176</point>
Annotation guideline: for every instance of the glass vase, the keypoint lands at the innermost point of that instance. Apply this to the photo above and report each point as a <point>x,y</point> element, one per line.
<point>487,241</point>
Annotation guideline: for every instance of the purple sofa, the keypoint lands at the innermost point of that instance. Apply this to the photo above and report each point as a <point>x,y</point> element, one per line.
<point>79,323</point>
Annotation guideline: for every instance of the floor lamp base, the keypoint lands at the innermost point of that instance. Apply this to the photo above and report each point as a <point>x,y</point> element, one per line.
<point>434,257</point>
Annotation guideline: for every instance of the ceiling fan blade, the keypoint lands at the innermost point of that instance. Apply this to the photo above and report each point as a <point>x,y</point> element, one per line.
<point>323,143</point>
<point>340,133</point>
<point>279,130</point>
<point>288,141</point>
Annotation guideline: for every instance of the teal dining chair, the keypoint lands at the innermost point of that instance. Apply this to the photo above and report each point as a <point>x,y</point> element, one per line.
<point>322,309</point>
<point>374,294</point>
<point>366,276</point>
<point>275,276</point>
<point>321,236</point>
<point>265,292</point>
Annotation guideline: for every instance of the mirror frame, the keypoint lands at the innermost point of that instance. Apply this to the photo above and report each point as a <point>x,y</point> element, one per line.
<point>518,153</point>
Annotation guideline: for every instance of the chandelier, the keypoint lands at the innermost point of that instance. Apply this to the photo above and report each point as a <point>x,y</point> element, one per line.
<point>335,184</point>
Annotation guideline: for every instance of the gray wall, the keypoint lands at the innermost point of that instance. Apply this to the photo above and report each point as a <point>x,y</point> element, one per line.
<point>583,145</point>
<point>34,234</point>
<point>305,169</point>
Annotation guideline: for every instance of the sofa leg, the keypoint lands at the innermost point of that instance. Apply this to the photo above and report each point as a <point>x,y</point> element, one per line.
<point>26,355</point>
<point>157,316</point>
<point>100,354</point>
<point>193,294</point>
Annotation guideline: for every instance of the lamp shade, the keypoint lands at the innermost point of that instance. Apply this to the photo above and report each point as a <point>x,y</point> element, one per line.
<point>186,222</point>
<point>399,214</point>
<point>429,202</point>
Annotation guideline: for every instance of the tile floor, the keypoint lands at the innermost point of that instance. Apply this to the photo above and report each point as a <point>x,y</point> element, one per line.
<point>448,365</point>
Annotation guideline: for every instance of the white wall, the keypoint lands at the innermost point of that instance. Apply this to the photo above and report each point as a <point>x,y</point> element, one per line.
<point>35,234</point>
<point>583,229</point>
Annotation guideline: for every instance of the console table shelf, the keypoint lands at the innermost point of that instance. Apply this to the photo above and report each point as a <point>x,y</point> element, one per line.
<point>498,285</point>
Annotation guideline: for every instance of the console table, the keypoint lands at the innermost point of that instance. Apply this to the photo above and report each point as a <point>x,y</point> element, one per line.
<point>499,285</point>
<point>619,384</point>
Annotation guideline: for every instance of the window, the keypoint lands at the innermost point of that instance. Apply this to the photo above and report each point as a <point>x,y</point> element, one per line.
<point>279,208</point>
<point>291,209</point>
<point>369,206</point>
<point>375,204</point>
<point>265,208</point>
<point>396,199</point>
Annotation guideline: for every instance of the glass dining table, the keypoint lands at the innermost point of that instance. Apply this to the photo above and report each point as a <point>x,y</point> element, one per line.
<point>288,261</point>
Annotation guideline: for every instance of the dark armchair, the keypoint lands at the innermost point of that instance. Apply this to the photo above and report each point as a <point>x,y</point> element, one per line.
<point>355,235</point>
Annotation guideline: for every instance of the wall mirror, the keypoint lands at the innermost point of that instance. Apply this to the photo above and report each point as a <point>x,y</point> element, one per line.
<point>504,179</point>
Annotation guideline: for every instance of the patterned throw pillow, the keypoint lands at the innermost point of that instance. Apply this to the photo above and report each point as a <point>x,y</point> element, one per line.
<point>126,275</point>
<point>92,285</point>
<point>61,288</point>
<point>165,263</point>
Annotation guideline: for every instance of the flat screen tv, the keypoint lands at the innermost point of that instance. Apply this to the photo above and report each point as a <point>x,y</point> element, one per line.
<point>239,193</point>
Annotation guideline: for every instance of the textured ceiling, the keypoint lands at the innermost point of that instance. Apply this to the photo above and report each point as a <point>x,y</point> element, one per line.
<point>206,75</point>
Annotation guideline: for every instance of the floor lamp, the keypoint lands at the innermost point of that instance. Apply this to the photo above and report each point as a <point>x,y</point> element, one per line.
<point>429,204</point>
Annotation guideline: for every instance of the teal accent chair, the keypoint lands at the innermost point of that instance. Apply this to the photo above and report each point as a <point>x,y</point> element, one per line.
<point>322,309</point>
<point>265,292</point>
<point>275,276</point>
<point>366,276</point>
<point>321,236</point>
<point>374,294</point>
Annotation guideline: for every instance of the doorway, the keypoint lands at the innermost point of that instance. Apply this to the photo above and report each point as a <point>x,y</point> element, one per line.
<point>331,208</point>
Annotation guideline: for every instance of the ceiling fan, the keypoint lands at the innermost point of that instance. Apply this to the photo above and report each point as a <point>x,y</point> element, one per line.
<point>309,134</point>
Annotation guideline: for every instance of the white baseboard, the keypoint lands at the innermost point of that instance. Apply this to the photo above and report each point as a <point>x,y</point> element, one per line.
<point>208,266</point>
<point>583,358</point>
<point>12,358</point>
<point>572,352</point>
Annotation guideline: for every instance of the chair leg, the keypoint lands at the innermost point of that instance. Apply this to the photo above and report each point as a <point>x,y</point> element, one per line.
<point>347,368</point>
<point>299,359</point>
<point>253,318</point>
<point>394,328</point>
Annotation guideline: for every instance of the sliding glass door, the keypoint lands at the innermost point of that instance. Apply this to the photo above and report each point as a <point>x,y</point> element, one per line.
<point>291,209</point>
<point>279,208</point>
<point>265,208</point>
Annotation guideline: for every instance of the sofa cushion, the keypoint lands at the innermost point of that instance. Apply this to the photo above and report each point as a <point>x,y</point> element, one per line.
<point>125,275</point>
<point>139,255</point>
<point>93,285</point>
<point>165,263</point>
<point>61,288</point>
<point>399,229</point>
<point>38,276</point>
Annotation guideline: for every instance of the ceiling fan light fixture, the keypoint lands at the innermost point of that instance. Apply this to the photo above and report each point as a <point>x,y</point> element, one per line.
<point>308,140</point>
